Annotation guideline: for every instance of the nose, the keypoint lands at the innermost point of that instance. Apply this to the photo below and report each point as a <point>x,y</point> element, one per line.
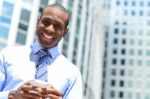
<point>50,28</point>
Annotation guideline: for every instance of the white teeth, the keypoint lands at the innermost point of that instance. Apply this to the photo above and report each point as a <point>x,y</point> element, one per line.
<point>47,36</point>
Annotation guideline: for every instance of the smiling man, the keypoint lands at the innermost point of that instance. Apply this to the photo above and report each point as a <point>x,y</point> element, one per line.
<point>21,66</point>
<point>52,26</point>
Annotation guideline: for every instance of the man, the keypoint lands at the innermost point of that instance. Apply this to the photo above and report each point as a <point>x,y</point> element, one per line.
<point>19,66</point>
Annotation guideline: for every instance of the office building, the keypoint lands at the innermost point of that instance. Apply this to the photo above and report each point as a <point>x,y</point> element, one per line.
<point>127,63</point>
<point>83,44</point>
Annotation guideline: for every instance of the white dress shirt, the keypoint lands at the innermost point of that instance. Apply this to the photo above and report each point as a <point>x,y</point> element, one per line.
<point>17,66</point>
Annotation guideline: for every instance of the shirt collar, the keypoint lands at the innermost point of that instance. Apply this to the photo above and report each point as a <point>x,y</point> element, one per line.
<point>53,51</point>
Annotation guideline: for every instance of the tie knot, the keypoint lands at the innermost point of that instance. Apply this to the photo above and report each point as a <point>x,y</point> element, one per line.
<point>43,52</point>
<point>43,55</point>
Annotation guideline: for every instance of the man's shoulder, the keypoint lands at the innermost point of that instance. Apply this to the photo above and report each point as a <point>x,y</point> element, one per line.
<point>66,63</point>
<point>15,53</point>
<point>65,60</point>
<point>15,50</point>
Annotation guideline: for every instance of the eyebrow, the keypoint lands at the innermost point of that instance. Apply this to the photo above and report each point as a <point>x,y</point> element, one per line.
<point>57,21</point>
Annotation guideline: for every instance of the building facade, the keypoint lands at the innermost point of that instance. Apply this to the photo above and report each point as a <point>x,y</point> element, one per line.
<point>127,50</point>
<point>83,44</point>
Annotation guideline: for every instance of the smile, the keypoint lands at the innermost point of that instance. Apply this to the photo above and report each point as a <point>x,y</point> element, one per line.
<point>47,36</point>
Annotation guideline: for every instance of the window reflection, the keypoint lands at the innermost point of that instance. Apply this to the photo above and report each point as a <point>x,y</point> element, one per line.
<point>25,15</point>
<point>4,32</point>
<point>28,1</point>
<point>6,14</point>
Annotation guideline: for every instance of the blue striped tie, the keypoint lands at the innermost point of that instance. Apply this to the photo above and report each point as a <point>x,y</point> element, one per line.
<point>41,69</point>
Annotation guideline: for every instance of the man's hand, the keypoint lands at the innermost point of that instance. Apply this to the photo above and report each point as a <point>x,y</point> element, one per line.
<point>51,93</point>
<point>26,91</point>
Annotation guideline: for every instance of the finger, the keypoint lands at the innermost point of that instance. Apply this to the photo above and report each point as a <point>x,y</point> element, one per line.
<point>10,97</point>
<point>53,91</point>
<point>33,95</point>
<point>26,87</point>
<point>51,96</point>
<point>49,85</point>
<point>36,91</point>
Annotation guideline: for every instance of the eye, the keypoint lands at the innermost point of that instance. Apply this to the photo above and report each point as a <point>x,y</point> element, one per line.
<point>58,28</point>
<point>45,22</point>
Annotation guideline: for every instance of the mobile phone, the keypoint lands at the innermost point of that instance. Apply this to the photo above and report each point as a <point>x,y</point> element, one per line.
<point>39,83</point>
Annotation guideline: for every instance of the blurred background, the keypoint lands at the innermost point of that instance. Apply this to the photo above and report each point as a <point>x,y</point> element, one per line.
<point>108,40</point>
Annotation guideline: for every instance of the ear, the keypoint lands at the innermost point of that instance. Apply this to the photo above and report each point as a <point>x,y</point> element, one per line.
<point>65,32</point>
<point>37,22</point>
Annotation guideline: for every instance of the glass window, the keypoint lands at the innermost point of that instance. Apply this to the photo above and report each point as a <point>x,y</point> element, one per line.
<point>139,62</point>
<point>122,72</point>
<point>148,22</point>
<point>114,51</point>
<point>5,19</point>
<point>124,31</point>
<point>23,26</point>
<point>133,12</point>
<point>112,93</point>
<point>131,62</point>
<point>113,83</point>
<point>138,95</point>
<point>148,62</point>
<point>129,95</point>
<point>142,3</point>
<point>147,85</point>
<point>113,72</point>
<point>123,41</point>
<point>148,3</point>
<point>124,23</point>
<point>76,43</point>
<point>121,83</point>
<point>148,13</point>
<point>148,42</point>
<point>133,3</point>
<point>141,13</point>
<point>7,9</point>
<point>2,45</point>
<point>148,31</point>
<point>115,41</point>
<point>122,61</point>
<point>116,31</point>
<point>132,42</point>
<point>28,1</point>
<point>123,51</point>
<point>121,94</point>
<point>116,23</point>
<point>140,52</point>
<point>148,52</point>
<point>114,61</point>
<point>74,60</point>
<point>125,12</point>
<point>6,14</point>
<point>118,3</point>
<point>126,3</point>
<point>4,32</point>
<point>147,96</point>
<point>21,38</point>
<point>25,15</point>
<point>44,2</point>
<point>130,73</point>
<point>130,83</point>
<point>59,1</point>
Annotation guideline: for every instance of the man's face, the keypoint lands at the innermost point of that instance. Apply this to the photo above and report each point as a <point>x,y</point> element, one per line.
<point>52,26</point>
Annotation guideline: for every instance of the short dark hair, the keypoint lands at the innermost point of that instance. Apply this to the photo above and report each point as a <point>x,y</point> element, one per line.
<point>57,5</point>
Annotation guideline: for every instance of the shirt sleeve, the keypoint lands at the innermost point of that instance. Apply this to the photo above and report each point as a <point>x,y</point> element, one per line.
<point>3,94</point>
<point>75,89</point>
